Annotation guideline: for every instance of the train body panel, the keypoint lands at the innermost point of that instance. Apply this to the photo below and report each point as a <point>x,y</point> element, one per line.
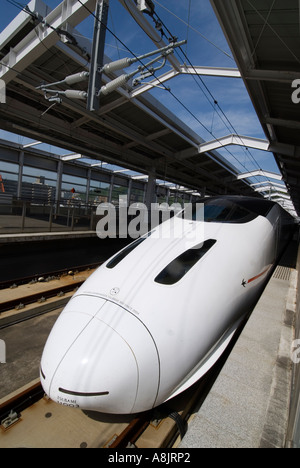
<point>164,308</point>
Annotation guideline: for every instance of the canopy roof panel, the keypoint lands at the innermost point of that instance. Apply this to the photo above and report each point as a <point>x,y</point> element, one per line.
<point>133,131</point>
<point>265,40</point>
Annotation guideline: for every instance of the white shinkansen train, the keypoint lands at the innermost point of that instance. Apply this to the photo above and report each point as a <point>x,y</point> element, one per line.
<point>156,317</point>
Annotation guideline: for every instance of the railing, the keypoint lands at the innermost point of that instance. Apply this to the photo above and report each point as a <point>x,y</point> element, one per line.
<point>19,216</point>
<point>22,216</point>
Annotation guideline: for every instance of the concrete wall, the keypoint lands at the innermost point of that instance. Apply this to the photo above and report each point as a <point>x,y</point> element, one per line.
<point>293,435</point>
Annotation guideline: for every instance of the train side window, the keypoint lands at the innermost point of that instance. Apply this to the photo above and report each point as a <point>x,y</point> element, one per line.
<point>179,267</point>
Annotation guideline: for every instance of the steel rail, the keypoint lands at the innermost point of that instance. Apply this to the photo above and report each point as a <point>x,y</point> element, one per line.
<point>27,279</point>
<point>32,298</point>
<point>21,401</point>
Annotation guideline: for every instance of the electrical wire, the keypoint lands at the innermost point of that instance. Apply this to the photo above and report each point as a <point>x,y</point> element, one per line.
<point>274,31</point>
<point>139,60</point>
<point>172,38</point>
<point>60,32</point>
<point>20,6</point>
<point>16,4</point>
<point>215,105</point>
<point>26,9</point>
<point>158,80</point>
<point>195,30</point>
<point>149,35</point>
<point>188,25</point>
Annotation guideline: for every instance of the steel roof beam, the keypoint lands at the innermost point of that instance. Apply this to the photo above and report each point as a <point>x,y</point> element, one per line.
<point>184,70</point>
<point>279,196</point>
<point>25,116</point>
<point>295,124</point>
<point>278,76</point>
<point>212,71</point>
<point>280,186</point>
<point>239,140</point>
<point>244,25</point>
<point>82,141</point>
<point>21,21</point>
<point>250,142</point>
<point>34,44</point>
<point>108,122</point>
<point>259,173</point>
<point>269,187</point>
<point>148,105</point>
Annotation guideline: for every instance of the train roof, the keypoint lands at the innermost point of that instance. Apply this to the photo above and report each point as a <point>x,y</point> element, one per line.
<point>256,206</point>
<point>259,206</point>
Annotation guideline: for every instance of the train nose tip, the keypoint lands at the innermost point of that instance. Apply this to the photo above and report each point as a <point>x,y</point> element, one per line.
<point>97,372</point>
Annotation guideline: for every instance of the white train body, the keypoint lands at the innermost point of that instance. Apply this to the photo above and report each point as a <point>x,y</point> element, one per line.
<point>155,318</point>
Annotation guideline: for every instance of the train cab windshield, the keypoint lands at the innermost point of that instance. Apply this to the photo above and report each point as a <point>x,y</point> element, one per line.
<point>235,211</point>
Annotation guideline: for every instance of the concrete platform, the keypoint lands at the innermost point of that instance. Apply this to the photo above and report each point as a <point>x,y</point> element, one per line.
<point>42,236</point>
<point>248,406</point>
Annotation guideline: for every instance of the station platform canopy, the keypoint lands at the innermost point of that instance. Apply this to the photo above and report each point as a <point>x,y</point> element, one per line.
<point>131,129</point>
<point>265,40</point>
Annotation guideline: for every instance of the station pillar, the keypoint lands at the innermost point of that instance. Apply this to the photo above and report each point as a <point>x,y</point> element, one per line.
<point>151,189</point>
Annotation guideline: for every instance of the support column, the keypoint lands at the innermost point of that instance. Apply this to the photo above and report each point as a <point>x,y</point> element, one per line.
<point>129,191</point>
<point>112,180</point>
<point>168,196</point>
<point>60,168</point>
<point>20,175</point>
<point>151,189</point>
<point>88,186</point>
<point>101,17</point>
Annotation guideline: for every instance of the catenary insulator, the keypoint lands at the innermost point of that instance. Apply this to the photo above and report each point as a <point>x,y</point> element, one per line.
<point>77,78</point>
<point>117,65</point>
<point>115,84</point>
<point>73,94</point>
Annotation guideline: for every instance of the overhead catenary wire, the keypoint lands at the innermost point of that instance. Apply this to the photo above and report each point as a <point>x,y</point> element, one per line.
<point>20,6</point>
<point>40,19</point>
<point>162,85</point>
<point>195,30</point>
<point>172,38</point>
<point>214,103</point>
<point>25,8</point>
<point>35,16</point>
<point>266,21</point>
<point>158,80</point>
<point>178,100</point>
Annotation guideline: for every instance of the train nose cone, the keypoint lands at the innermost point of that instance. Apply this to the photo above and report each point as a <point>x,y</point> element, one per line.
<point>88,363</point>
<point>98,372</point>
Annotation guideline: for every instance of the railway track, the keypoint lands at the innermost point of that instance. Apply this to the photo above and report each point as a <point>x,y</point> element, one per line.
<point>21,302</point>
<point>47,275</point>
<point>15,412</point>
<point>31,298</point>
<point>25,415</point>
<point>27,419</point>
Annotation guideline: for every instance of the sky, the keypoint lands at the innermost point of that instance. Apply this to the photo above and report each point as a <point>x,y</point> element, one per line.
<point>195,21</point>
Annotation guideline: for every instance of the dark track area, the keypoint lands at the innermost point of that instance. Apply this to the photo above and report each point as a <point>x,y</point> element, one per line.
<point>37,258</point>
